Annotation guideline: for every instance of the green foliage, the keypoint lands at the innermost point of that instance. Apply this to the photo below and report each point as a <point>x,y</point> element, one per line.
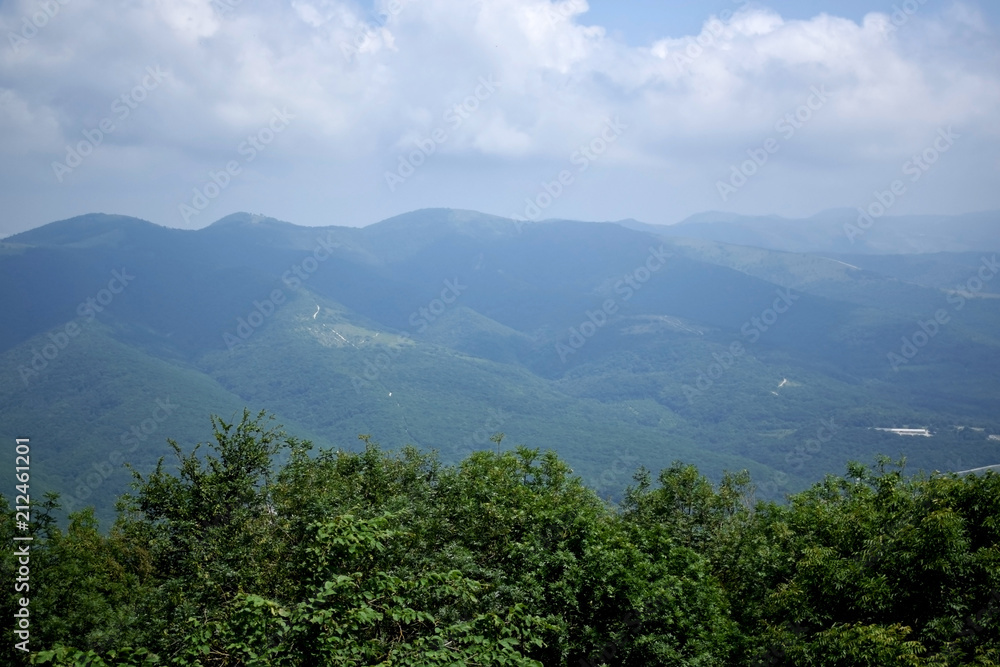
<point>370,617</point>
<point>507,558</point>
<point>898,565</point>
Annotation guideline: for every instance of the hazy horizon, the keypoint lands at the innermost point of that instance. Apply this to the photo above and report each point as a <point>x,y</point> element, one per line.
<point>339,112</point>
<point>264,215</point>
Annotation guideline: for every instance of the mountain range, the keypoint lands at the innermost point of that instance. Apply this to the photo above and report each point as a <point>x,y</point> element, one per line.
<point>775,345</point>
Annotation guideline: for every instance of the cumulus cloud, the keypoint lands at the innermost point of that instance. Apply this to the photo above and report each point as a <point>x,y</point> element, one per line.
<point>365,87</point>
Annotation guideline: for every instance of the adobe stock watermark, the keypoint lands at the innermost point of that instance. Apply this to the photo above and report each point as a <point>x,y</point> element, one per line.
<point>626,286</point>
<point>293,277</point>
<point>805,451</point>
<point>408,163</point>
<point>261,311</point>
<point>420,318</point>
<point>927,329</point>
<point>122,107</point>
<point>90,480</point>
<point>623,467</point>
<point>901,15</point>
<point>479,438</point>
<point>752,330</point>
<point>219,180</point>
<point>776,655</point>
<point>35,21</point>
<point>633,622</point>
<point>778,481</point>
<point>560,12</point>
<point>786,126</point>
<point>918,165</point>
<point>86,309</point>
<point>713,35</point>
<point>369,28</point>
<point>424,316</point>
<point>976,623</point>
<point>582,158</point>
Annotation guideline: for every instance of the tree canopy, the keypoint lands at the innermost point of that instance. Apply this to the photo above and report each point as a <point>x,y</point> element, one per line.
<point>254,549</point>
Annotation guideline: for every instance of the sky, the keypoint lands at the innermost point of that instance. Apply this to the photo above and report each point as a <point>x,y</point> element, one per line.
<point>341,112</point>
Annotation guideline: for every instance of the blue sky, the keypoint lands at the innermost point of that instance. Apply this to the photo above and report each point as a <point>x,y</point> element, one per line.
<point>642,21</point>
<point>341,112</point>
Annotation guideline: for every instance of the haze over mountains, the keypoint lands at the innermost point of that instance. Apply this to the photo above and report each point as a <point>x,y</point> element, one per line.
<point>846,230</point>
<point>726,341</point>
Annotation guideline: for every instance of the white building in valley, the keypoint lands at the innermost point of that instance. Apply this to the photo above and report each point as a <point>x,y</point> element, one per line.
<point>907,431</point>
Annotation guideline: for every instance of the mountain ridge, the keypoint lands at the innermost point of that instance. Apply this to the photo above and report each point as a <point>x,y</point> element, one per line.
<point>590,338</point>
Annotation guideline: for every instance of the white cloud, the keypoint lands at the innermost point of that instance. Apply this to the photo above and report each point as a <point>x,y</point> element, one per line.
<point>693,104</point>
<point>499,138</point>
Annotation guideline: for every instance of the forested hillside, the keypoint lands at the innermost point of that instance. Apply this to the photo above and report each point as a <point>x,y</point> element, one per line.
<point>514,333</point>
<point>614,347</point>
<point>256,549</point>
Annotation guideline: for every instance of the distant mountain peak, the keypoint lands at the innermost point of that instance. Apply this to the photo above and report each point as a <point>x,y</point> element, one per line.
<point>437,221</point>
<point>439,216</point>
<point>725,216</point>
<point>83,230</point>
<point>243,219</point>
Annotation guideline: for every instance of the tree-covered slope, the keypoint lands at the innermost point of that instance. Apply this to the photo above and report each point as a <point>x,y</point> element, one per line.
<point>606,343</point>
